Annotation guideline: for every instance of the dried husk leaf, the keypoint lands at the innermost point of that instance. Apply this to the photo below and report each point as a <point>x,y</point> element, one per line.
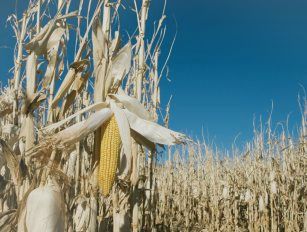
<point>154,132</point>
<point>115,44</point>
<point>124,128</point>
<point>68,136</point>
<point>80,81</point>
<point>55,38</point>
<point>80,130</point>
<point>132,104</point>
<point>39,43</point>
<point>118,69</point>
<point>69,100</point>
<point>49,129</point>
<point>45,209</point>
<point>77,87</point>
<point>68,80</point>
<point>48,37</point>
<point>52,58</point>
<point>143,141</point>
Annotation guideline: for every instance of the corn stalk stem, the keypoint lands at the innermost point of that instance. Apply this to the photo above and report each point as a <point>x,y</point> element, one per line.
<point>31,86</point>
<point>38,21</point>
<point>60,3</point>
<point>141,55</point>
<point>50,118</point>
<point>52,84</point>
<point>18,64</point>
<point>139,86</point>
<point>156,96</point>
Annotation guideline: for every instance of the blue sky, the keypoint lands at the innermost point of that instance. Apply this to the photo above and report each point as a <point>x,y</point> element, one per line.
<point>231,59</point>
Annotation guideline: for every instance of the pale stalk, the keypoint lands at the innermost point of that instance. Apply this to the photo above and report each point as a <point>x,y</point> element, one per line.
<point>139,86</point>
<point>38,22</point>
<point>31,81</point>
<point>50,119</point>
<point>156,96</point>
<point>141,55</point>
<point>31,85</point>
<point>152,153</point>
<point>78,119</point>
<point>60,3</point>
<point>18,63</point>
<point>78,149</point>
<point>52,84</point>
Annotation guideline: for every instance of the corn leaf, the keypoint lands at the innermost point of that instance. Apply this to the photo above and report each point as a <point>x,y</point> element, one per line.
<point>80,130</point>
<point>154,132</point>
<point>49,129</point>
<point>132,104</point>
<point>143,141</point>
<point>124,128</point>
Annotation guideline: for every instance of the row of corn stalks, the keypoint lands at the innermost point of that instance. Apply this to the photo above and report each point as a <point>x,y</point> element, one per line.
<point>263,187</point>
<point>79,118</point>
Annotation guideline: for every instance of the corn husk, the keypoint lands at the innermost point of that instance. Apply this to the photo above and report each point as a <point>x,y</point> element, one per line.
<point>45,210</point>
<point>80,130</point>
<point>124,128</point>
<point>154,132</point>
<point>132,104</point>
<point>49,129</point>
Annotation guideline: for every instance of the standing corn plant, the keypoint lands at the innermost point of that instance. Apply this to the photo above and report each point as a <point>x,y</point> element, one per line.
<point>77,124</point>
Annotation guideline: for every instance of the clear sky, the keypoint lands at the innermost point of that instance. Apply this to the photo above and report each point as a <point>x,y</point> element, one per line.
<point>231,59</point>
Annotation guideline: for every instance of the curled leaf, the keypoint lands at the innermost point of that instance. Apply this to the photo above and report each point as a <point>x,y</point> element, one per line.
<point>154,132</point>
<point>49,129</point>
<point>80,130</point>
<point>132,104</point>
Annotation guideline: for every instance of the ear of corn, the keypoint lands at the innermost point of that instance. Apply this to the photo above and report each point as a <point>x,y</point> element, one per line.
<point>109,154</point>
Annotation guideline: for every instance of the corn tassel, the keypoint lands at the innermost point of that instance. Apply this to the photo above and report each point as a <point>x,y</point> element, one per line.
<point>110,147</point>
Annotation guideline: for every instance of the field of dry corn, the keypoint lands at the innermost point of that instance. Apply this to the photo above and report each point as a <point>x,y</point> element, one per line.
<point>81,130</point>
<point>262,188</point>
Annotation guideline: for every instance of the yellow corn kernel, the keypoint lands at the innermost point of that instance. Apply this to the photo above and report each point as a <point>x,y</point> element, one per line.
<point>110,147</point>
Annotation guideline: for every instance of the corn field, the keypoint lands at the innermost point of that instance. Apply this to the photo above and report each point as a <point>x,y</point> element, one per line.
<point>82,130</point>
<point>262,188</point>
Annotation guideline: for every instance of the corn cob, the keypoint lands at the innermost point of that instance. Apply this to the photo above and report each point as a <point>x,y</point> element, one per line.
<point>110,147</point>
